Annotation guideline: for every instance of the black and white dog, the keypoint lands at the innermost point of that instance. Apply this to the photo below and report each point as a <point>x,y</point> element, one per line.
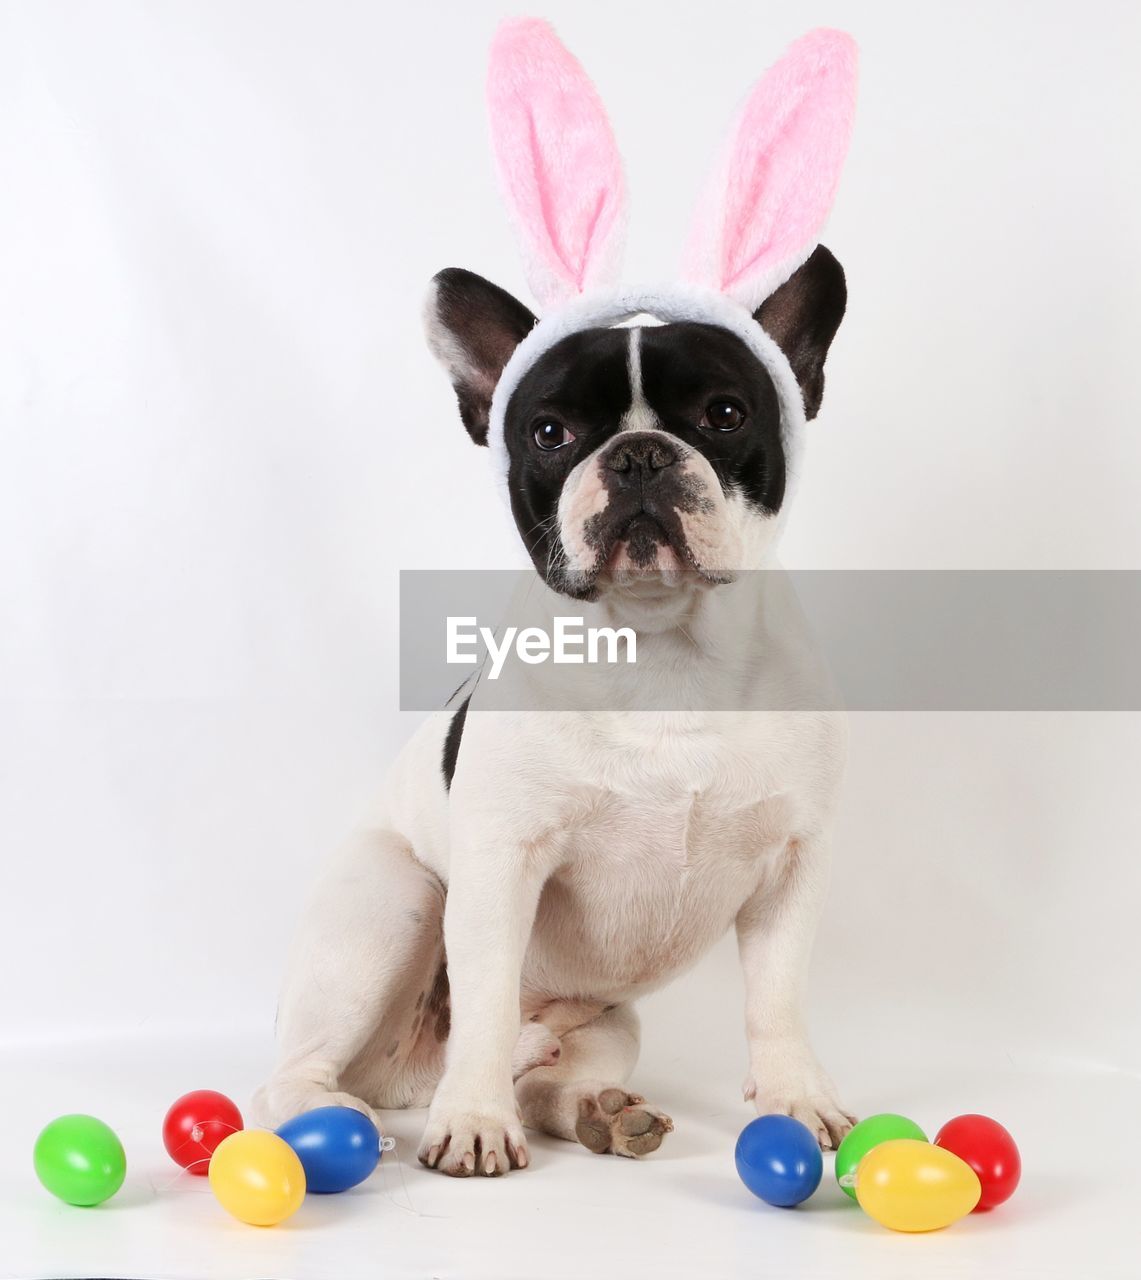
<point>565,865</point>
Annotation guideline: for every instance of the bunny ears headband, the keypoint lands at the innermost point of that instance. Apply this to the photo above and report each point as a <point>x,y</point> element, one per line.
<point>758,219</point>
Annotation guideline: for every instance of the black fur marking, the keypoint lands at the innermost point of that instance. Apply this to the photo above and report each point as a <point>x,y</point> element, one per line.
<point>452,743</point>
<point>583,383</point>
<point>684,367</point>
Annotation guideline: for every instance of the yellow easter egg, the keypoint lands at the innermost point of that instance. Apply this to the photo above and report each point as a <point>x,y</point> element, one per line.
<point>257,1177</point>
<point>909,1185</point>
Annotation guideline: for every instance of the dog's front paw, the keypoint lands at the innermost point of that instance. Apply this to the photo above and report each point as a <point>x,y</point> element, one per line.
<point>462,1141</point>
<point>793,1084</point>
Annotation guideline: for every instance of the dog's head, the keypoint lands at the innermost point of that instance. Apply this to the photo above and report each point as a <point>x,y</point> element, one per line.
<point>644,449</point>
<point>651,449</point>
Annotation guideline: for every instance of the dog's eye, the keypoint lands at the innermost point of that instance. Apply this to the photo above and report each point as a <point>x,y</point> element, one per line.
<point>722,415</point>
<point>552,435</point>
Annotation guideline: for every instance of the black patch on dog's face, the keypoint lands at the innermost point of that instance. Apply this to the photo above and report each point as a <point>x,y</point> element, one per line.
<point>583,385</point>
<point>687,367</point>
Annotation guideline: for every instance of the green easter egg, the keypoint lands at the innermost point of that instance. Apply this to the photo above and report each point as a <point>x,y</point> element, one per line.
<point>80,1160</point>
<point>863,1137</point>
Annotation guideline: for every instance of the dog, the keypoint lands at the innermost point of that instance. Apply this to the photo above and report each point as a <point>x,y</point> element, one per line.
<point>479,946</point>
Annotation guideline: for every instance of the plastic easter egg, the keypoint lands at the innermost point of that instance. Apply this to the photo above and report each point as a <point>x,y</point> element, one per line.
<point>194,1126</point>
<point>990,1151</point>
<point>80,1160</point>
<point>909,1185</point>
<point>337,1146</point>
<point>257,1177</point>
<point>869,1133</point>
<point>779,1160</point>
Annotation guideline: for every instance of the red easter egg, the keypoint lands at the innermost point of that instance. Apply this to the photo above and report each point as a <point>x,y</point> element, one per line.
<point>195,1124</point>
<point>990,1151</point>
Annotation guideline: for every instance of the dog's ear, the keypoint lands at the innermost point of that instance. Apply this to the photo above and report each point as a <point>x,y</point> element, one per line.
<point>473,327</point>
<point>802,317</point>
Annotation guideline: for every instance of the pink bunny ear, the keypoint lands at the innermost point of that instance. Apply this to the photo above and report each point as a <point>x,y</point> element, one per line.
<point>766,202</point>
<point>558,164</point>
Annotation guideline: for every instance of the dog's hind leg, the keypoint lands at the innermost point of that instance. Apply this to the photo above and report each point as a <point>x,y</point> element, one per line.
<point>364,1010</point>
<point>583,1097</point>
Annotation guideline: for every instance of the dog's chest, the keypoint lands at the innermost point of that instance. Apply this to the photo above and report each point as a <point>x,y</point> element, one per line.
<point>649,882</point>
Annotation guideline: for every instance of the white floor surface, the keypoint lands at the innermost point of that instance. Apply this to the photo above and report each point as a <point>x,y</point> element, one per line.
<point>681,1212</point>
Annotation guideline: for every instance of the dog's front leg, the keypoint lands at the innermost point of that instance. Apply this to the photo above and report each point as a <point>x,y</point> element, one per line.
<point>493,890</point>
<point>775,931</point>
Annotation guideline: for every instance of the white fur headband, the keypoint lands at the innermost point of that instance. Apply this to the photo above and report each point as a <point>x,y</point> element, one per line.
<point>758,219</point>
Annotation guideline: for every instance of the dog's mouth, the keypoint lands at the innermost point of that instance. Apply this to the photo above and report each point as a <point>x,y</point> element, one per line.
<point>644,544</point>
<point>648,543</point>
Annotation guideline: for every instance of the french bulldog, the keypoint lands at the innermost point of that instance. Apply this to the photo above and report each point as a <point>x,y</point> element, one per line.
<point>479,947</point>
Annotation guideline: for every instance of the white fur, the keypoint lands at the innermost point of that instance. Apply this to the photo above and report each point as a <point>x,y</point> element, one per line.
<point>640,416</point>
<point>587,858</point>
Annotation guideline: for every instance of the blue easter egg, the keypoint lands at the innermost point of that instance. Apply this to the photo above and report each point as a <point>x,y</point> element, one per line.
<point>779,1160</point>
<point>337,1146</point>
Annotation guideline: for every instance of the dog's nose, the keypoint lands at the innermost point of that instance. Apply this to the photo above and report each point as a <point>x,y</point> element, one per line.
<point>640,452</point>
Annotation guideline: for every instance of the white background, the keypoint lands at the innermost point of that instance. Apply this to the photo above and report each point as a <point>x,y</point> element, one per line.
<point>222,437</point>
